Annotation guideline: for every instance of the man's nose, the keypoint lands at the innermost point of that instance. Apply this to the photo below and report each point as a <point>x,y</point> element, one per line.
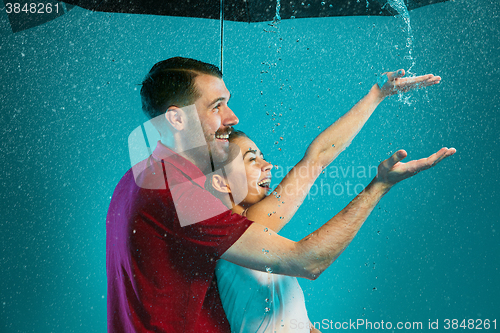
<point>229,118</point>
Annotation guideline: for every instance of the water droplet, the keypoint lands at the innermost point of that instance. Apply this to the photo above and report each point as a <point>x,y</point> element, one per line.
<point>266,229</point>
<point>269,270</point>
<point>267,309</point>
<point>322,3</point>
<point>267,300</point>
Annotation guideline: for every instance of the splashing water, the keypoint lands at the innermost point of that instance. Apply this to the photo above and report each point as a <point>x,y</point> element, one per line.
<point>277,17</point>
<point>400,7</point>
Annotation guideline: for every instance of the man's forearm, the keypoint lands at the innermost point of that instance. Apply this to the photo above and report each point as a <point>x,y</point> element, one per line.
<point>262,249</point>
<point>318,250</point>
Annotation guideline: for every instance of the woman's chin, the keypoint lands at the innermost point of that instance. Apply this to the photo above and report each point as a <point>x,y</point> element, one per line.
<point>265,191</point>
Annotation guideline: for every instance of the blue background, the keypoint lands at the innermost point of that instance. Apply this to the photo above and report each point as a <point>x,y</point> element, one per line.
<point>70,97</point>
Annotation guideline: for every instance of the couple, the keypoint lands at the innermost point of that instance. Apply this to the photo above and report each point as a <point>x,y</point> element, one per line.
<point>166,232</point>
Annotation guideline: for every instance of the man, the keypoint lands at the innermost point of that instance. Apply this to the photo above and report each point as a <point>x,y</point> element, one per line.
<point>165,232</point>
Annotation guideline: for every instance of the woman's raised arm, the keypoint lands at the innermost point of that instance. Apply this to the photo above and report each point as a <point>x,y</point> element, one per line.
<point>276,210</point>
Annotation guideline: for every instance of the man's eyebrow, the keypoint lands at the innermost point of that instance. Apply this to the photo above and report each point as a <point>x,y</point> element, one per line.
<point>219,99</point>
<point>216,100</point>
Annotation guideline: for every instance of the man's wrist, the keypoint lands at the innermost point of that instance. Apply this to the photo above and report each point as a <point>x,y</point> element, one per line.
<point>379,185</point>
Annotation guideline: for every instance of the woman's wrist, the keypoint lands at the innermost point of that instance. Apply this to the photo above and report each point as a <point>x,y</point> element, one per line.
<point>377,93</point>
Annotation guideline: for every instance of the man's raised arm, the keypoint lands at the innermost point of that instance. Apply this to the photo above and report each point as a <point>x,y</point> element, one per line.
<point>262,249</point>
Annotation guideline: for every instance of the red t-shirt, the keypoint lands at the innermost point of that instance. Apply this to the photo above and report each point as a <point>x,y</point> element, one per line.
<point>164,235</point>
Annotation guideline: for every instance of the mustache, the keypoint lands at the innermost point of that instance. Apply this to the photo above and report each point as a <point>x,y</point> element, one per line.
<point>225,131</point>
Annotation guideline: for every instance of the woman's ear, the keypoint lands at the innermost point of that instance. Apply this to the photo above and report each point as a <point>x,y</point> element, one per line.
<point>176,117</point>
<point>220,184</point>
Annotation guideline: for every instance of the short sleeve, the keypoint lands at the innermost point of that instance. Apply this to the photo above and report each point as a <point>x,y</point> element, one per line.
<point>191,215</point>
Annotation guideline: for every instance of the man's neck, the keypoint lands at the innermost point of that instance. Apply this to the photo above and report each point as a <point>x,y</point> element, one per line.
<point>199,156</point>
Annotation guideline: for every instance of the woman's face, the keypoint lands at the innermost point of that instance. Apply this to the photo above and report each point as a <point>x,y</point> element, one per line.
<point>257,170</point>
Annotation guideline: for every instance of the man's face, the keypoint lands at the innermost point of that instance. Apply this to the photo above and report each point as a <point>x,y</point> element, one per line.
<point>215,116</point>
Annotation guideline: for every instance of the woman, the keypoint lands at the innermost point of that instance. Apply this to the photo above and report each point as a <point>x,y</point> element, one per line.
<point>257,301</point>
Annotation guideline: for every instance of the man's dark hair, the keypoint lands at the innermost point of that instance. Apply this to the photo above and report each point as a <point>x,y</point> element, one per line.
<point>171,82</point>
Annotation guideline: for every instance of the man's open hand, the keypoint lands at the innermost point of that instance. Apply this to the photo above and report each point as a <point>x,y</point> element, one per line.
<point>392,170</point>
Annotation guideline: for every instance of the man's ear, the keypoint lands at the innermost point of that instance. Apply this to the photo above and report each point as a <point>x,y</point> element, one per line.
<point>176,117</point>
<point>220,184</point>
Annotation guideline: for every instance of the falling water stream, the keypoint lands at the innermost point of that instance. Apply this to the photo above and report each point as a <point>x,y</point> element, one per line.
<point>400,7</point>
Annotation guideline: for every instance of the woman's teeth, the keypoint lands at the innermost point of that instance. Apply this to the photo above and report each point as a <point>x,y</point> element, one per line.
<point>264,182</point>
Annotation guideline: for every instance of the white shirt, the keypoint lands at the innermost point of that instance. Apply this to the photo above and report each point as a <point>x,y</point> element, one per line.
<point>258,302</point>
